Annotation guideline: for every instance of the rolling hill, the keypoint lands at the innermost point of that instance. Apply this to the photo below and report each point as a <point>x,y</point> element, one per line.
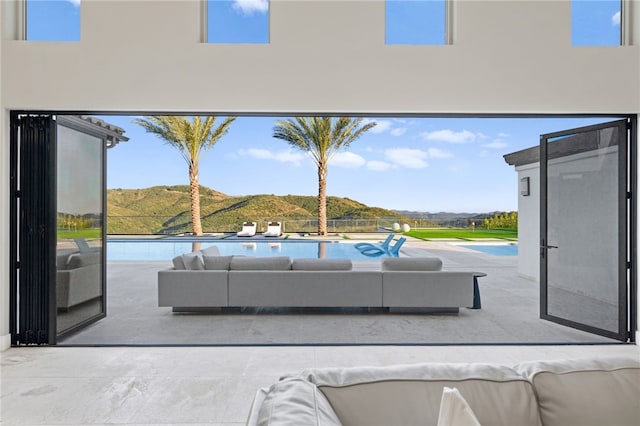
<point>165,210</point>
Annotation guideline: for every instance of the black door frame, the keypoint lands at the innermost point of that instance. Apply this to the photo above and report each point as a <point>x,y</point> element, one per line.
<point>33,229</point>
<point>627,286</point>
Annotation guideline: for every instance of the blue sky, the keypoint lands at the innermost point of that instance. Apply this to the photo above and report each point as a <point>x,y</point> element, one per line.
<point>427,164</point>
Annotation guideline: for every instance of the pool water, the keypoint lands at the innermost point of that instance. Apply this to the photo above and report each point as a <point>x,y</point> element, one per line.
<point>167,250</point>
<point>495,249</point>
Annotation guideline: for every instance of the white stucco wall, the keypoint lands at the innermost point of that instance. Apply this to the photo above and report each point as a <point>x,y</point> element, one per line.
<point>508,56</point>
<point>325,56</point>
<point>5,338</point>
<point>529,223</point>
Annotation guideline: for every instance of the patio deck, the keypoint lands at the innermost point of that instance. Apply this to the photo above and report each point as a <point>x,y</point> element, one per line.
<point>509,314</point>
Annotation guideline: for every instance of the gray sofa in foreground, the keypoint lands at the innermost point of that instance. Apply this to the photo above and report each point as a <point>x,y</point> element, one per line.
<point>585,392</point>
<point>205,279</point>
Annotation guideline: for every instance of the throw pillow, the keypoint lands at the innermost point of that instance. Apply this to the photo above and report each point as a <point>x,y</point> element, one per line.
<point>454,410</point>
<point>178,263</point>
<point>193,261</point>
<point>216,263</point>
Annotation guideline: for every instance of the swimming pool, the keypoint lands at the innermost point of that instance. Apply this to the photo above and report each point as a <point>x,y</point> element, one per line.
<point>495,249</point>
<point>145,249</point>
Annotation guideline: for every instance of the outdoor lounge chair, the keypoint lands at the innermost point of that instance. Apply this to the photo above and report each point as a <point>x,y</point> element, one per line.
<point>394,251</point>
<point>384,245</point>
<point>248,229</point>
<point>274,229</point>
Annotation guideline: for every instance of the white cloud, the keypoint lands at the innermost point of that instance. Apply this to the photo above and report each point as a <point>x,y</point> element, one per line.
<point>496,144</point>
<point>438,153</point>
<point>615,19</point>
<point>380,127</point>
<point>450,136</point>
<point>503,135</point>
<point>249,7</point>
<point>76,3</point>
<point>289,156</point>
<point>379,166</point>
<point>407,157</point>
<point>347,160</point>
<point>399,131</point>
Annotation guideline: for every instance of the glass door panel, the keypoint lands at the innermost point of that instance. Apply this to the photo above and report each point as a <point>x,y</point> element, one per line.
<point>80,282</point>
<point>584,228</point>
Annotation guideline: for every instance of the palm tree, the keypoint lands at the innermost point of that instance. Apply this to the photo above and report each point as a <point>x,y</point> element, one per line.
<point>321,138</point>
<point>191,136</point>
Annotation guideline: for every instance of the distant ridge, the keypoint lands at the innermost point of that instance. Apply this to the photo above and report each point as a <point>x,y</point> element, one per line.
<point>449,218</point>
<point>165,210</point>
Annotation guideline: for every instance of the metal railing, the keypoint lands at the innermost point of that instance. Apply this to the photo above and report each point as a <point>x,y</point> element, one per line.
<point>168,225</point>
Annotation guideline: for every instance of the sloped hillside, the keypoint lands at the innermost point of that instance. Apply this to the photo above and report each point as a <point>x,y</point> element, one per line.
<point>165,210</point>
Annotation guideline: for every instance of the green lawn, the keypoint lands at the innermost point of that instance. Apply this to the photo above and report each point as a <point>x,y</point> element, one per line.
<point>462,233</point>
<point>80,233</point>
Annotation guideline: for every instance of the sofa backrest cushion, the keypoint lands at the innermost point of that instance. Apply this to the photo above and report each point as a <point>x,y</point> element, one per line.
<point>321,264</point>
<point>411,394</point>
<point>178,263</point>
<point>594,391</point>
<point>193,261</point>
<point>79,260</point>
<point>412,264</point>
<point>216,263</point>
<point>210,251</point>
<point>294,401</point>
<point>245,263</point>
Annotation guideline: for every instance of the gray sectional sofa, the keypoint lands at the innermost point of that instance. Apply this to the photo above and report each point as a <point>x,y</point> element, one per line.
<point>585,392</point>
<point>204,279</point>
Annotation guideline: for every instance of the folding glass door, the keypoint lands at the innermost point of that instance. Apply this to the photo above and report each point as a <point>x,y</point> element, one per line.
<point>57,233</point>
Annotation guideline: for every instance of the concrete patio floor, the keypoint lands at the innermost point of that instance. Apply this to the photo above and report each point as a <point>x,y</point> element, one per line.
<point>509,314</point>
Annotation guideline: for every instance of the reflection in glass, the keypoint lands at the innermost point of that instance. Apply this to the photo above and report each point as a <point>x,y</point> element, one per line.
<point>79,277</point>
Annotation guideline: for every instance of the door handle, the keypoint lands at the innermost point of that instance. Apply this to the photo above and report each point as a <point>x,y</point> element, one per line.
<point>544,247</point>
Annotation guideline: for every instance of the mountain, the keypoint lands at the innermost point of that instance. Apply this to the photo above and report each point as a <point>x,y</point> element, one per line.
<point>165,210</point>
<point>448,218</point>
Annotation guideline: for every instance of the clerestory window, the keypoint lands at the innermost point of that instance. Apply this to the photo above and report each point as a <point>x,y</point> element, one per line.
<point>596,22</point>
<point>416,22</point>
<point>238,21</point>
<point>52,20</point>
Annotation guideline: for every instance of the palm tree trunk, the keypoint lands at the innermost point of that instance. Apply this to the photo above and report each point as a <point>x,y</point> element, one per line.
<point>322,199</point>
<point>194,192</point>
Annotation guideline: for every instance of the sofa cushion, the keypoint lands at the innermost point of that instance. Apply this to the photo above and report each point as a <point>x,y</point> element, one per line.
<point>210,251</point>
<point>216,263</point>
<point>277,263</point>
<point>178,263</point>
<point>321,264</point>
<point>193,261</point>
<point>411,394</point>
<point>412,264</point>
<point>79,260</point>
<point>603,391</point>
<point>455,410</point>
<point>295,401</point>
